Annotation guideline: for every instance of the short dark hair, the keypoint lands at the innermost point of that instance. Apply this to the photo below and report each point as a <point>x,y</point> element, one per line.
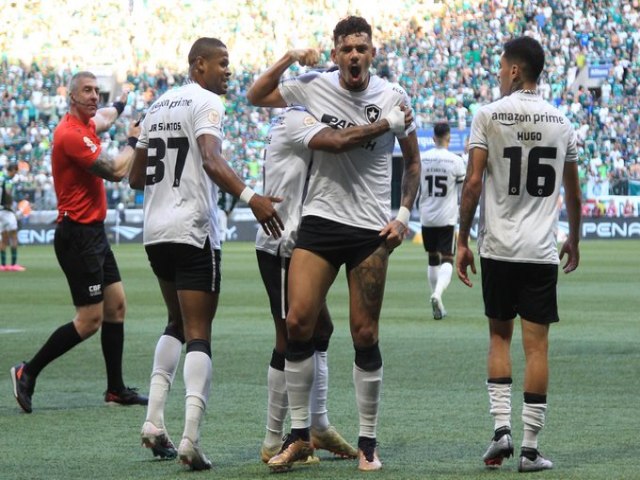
<point>441,129</point>
<point>527,52</point>
<point>12,167</point>
<point>349,26</point>
<point>203,47</point>
<point>73,84</point>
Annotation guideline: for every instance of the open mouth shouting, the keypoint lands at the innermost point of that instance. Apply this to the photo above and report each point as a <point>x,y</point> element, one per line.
<point>356,77</point>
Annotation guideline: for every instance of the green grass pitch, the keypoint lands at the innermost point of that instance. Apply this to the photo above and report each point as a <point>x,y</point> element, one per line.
<point>434,421</point>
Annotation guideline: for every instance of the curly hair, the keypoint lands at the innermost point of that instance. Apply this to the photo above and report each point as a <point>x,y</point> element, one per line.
<point>349,26</point>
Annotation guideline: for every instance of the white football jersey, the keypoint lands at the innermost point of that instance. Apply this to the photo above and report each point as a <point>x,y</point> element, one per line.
<point>528,142</point>
<point>180,200</point>
<point>442,173</point>
<point>354,187</point>
<point>286,165</point>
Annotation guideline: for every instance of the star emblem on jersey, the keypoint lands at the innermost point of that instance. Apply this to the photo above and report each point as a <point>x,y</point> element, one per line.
<point>372,113</point>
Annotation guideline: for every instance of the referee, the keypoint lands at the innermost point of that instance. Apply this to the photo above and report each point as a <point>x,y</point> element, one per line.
<point>81,245</point>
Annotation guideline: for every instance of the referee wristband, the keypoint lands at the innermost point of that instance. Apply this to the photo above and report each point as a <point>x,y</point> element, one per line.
<point>119,106</point>
<point>246,195</point>
<point>132,141</point>
<point>403,215</point>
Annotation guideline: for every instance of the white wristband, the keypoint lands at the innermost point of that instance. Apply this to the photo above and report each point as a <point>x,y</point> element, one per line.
<point>246,195</point>
<point>403,216</point>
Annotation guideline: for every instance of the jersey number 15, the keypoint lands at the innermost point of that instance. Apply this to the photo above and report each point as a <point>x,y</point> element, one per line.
<point>436,185</point>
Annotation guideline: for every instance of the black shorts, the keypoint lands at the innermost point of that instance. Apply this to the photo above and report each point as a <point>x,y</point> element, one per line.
<point>189,267</point>
<point>439,239</point>
<point>274,271</point>
<point>87,261</point>
<point>525,289</point>
<point>337,243</point>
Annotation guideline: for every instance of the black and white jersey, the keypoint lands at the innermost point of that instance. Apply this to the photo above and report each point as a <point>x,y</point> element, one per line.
<point>286,166</point>
<point>528,142</point>
<point>180,200</point>
<point>354,187</point>
<point>442,173</point>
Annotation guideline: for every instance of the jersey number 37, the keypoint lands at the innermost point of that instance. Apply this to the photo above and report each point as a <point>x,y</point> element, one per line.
<point>181,144</point>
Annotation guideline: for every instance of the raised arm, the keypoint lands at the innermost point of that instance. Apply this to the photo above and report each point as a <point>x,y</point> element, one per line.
<point>471,190</point>
<point>337,140</point>
<point>264,91</point>
<point>105,117</point>
<point>223,175</point>
<point>117,168</point>
<point>572,198</point>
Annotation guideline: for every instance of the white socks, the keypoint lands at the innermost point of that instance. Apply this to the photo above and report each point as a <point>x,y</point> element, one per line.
<point>500,404</point>
<point>165,364</point>
<point>533,416</point>
<point>197,382</point>
<point>444,278</point>
<point>276,407</point>
<point>368,386</point>
<point>432,275</point>
<point>319,391</point>
<point>299,377</point>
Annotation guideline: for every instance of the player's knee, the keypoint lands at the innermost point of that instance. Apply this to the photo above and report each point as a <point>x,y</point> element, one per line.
<point>297,329</point>
<point>368,358</point>
<point>88,323</point>
<point>115,312</point>
<point>434,259</point>
<point>365,335</point>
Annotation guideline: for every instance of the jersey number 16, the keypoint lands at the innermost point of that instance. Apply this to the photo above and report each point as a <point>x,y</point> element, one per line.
<point>541,177</point>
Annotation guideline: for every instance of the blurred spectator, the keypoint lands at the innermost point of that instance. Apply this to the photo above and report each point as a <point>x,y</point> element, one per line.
<point>627,210</point>
<point>442,53</point>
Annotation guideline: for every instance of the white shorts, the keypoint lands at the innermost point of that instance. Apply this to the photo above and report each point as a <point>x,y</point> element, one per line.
<point>8,221</point>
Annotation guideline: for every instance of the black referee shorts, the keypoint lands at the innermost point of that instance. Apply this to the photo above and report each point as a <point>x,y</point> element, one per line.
<point>87,261</point>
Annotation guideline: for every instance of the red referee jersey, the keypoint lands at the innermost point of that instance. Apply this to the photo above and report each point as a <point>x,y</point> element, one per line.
<point>81,194</point>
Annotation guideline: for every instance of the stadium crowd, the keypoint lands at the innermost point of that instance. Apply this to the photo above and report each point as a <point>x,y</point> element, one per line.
<point>443,54</point>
